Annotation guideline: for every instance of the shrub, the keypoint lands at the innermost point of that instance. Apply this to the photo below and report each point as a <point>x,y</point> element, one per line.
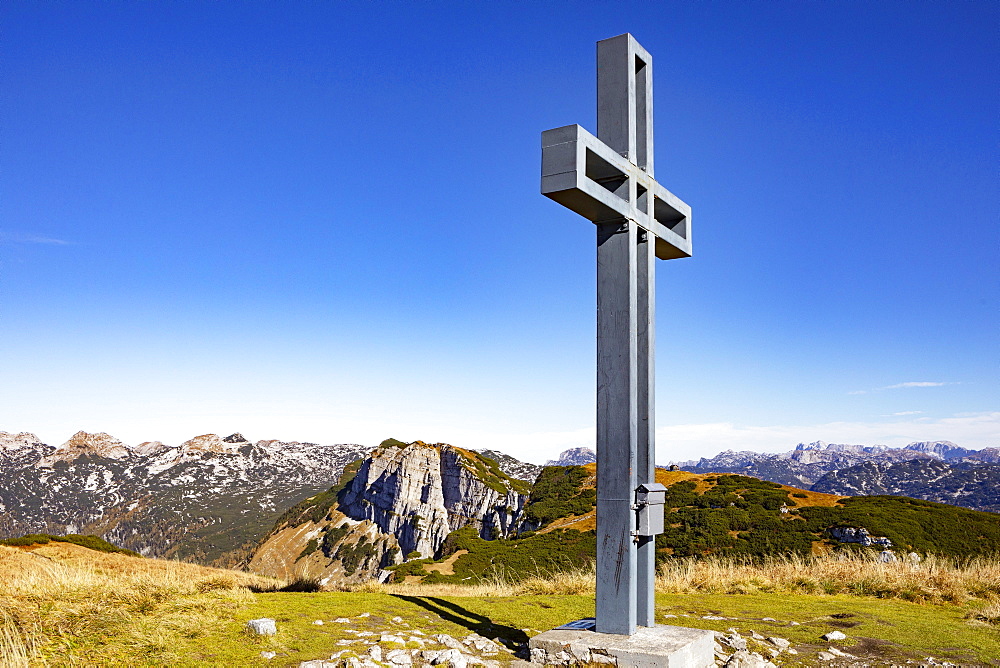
<point>558,492</point>
<point>91,542</point>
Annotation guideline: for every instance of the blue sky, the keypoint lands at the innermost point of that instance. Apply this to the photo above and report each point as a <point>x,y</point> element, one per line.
<point>321,221</point>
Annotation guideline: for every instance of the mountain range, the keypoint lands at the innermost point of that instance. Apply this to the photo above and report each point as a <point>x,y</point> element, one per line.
<point>932,470</point>
<point>218,500</point>
<point>437,513</point>
<point>209,499</point>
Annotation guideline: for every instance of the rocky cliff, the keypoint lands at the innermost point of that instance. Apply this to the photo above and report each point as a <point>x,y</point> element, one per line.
<point>399,503</point>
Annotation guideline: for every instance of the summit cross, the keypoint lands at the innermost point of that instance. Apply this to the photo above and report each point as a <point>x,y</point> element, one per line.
<point>608,180</point>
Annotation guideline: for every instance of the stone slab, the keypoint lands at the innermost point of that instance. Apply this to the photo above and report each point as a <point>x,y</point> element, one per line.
<point>657,646</point>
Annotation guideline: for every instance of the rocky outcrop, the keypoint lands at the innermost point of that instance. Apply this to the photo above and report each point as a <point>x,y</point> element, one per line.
<point>421,493</point>
<point>399,503</point>
<point>858,535</point>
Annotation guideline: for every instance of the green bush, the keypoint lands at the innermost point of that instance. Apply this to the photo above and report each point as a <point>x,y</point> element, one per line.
<point>515,558</point>
<point>24,541</point>
<point>310,547</point>
<point>91,542</point>
<point>559,492</point>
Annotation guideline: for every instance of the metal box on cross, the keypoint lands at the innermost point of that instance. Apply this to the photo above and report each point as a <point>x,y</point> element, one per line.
<point>649,500</point>
<point>608,179</point>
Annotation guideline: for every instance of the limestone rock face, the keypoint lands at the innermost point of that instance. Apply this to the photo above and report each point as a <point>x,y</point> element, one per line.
<point>402,499</point>
<point>147,448</point>
<point>420,493</point>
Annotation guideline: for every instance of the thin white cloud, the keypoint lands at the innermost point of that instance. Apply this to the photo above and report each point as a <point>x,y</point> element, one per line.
<point>897,386</point>
<point>15,238</point>
<point>901,413</point>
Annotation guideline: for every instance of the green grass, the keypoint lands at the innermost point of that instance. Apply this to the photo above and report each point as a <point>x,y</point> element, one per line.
<point>884,631</point>
<point>559,491</point>
<point>891,629</point>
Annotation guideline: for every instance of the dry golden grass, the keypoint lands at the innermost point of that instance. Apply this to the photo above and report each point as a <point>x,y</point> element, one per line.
<point>50,594</point>
<point>935,580</point>
<point>585,522</point>
<point>59,597</point>
<point>989,613</point>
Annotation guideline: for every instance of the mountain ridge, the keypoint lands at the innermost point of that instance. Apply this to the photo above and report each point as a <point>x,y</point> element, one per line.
<point>208,499</point>
<point>973,473</point>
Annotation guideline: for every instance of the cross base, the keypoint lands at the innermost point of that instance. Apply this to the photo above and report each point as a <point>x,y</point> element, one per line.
<point>657,646</point>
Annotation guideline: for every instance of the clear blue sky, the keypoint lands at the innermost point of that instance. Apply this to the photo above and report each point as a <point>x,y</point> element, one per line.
<point>321,221</point>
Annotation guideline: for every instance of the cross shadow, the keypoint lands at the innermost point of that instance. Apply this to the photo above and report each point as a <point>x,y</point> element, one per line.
<point>476,623</point>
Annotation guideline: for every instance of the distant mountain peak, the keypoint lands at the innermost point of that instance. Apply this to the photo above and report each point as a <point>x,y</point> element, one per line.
<point>147,448</point>
<point>235,438</point>
<point>82,443</point>
<point>940,449</point>
<point>18,441</point>
<point>208,443</point>
<point>815,445</point>
<point>574,457</point>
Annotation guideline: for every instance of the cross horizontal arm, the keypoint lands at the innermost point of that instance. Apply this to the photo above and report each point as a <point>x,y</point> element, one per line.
<point>583,174</point>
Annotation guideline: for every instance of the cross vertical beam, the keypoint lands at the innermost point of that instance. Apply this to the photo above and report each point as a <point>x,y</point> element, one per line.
<point>624,124</point>
<point>617,426</point>
<point>608,179</point>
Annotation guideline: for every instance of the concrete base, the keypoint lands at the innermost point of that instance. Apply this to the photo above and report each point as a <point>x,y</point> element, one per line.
<point>657,646</point>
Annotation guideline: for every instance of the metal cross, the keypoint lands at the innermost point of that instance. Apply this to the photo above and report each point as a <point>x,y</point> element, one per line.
<point>608,179</point>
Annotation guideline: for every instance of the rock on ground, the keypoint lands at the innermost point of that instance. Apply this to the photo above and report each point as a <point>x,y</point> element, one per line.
<point>263,626</point>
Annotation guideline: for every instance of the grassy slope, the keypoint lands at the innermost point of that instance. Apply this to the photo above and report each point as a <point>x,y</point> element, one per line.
<point>711,514</point>
<point>83,607</point>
